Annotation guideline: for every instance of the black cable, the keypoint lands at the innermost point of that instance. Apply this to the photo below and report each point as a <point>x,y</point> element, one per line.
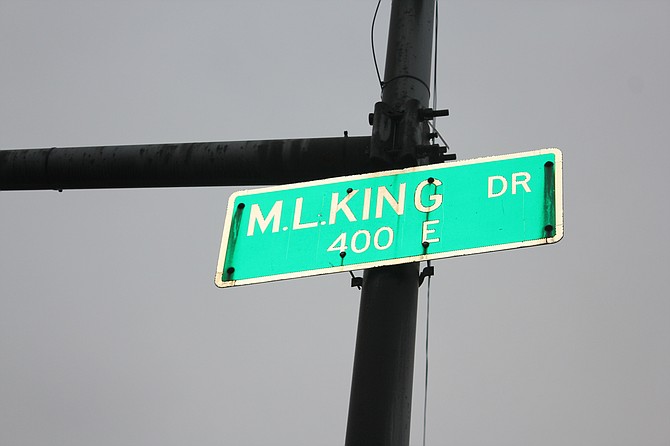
<point>372,42</point>
<point>435,66</point>
<point>433,124</point>
<point>425,382</point>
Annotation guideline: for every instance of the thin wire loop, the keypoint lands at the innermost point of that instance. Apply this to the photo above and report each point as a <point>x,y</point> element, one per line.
<point>407,76</point>
<point>372,43</point>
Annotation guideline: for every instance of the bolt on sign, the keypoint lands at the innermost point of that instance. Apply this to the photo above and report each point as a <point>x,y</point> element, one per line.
<point>398,216</point>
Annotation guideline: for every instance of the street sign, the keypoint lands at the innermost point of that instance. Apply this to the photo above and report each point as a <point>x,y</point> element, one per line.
<point>398,216</point>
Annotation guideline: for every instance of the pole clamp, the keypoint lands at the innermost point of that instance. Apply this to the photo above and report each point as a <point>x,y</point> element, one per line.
<point>426,114</point>
<point>427,271</point>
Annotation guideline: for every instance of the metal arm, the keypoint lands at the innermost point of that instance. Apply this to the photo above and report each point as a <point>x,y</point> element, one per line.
<point>184,164</point>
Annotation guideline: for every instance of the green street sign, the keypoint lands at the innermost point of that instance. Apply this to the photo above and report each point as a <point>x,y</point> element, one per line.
<point>398,216</point>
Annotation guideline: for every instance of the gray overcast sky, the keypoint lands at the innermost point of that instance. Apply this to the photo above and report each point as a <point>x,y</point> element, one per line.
<point>112,331</point>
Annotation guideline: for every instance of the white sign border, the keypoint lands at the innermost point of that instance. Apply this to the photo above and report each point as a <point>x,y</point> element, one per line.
<point>558,197</point>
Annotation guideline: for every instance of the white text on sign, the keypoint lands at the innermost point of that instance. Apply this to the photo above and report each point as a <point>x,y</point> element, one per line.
<point>344,207</point>
<point>518,179</point>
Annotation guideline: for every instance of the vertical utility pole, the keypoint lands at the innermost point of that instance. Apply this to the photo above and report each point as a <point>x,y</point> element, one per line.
<point>381,390</point>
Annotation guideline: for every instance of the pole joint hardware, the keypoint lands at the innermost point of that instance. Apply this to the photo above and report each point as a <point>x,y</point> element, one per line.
<point>435,153</point>
<point>400,138</point>
<point>427,272</point>
<point>426,114</point>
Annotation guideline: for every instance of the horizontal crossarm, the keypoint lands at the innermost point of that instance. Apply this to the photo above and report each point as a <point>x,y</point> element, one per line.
<point>235,163</point>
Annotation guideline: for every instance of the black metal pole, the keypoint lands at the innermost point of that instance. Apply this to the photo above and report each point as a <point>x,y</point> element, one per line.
<point>226,163</point>
<point>381,390</point>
